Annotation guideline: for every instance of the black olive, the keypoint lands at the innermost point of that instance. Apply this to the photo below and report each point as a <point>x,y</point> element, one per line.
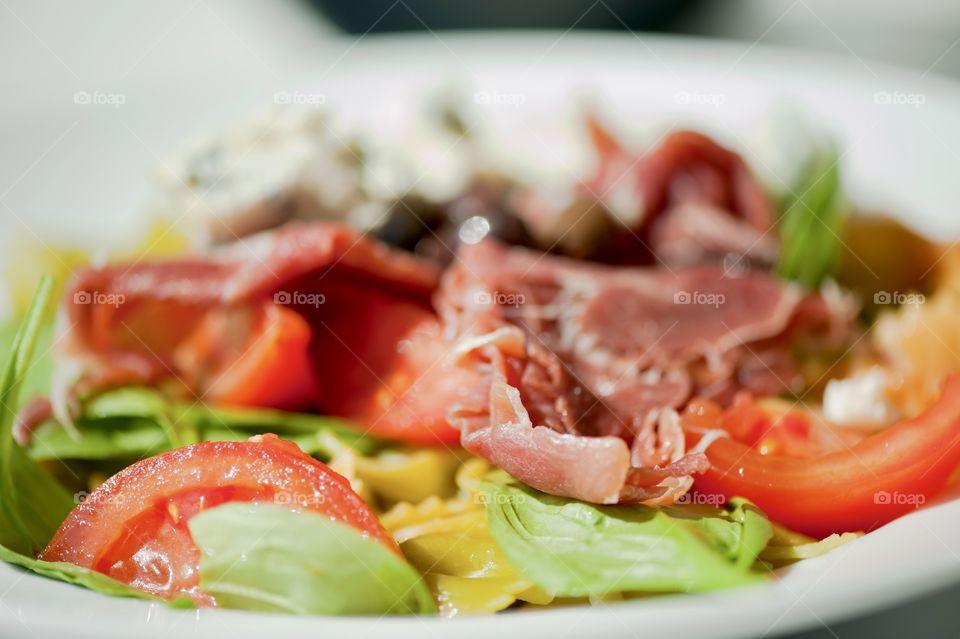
<point>479,213</point>
<point>487,199</point>
<point>408,221</point>
<point>436,230</point>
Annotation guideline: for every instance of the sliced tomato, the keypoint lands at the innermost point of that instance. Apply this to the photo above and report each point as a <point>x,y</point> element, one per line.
<point>271,367</point>
<point>387,366</point>
<point>410,400</point>
<point>134,526</point>
<point>771,426</point>
<point>860,487</point>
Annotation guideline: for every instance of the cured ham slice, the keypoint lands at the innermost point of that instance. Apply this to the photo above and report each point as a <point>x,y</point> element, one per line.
<point>309,317</point>
<point>581,367</point>
<point>685,200</point>
<point>690,167</point>
<point>692,233</point>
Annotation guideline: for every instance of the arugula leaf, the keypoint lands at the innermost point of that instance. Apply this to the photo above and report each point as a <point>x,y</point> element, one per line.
<point>574,549</point>
<point>124,423</point>
<point>251,421</point>
<point>100,439</point>
<point>38,377</point>
<point>812,221</point>
<point>144,403</point>
<point>137,422</point>
<point>266,557</point>
<point>32,503</point>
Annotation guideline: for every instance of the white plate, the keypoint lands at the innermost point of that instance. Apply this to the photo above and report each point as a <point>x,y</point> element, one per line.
<point>900,156</point>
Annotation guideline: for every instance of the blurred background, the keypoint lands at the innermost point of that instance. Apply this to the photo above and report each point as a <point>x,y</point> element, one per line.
<point>206,63</point>
<point>187,66</point>
<point>920,34</point>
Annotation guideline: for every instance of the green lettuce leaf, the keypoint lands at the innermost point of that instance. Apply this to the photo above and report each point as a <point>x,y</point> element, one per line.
<point>266,557</point>
<point>740,531</point>
<point>812,221</point>
<point>574,549</point>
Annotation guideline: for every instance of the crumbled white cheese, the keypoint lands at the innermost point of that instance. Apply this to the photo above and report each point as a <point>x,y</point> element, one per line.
<point>859,400</point>
<point>286,164</point>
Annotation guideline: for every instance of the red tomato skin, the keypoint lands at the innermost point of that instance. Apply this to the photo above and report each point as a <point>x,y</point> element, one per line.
<point>134,526</point>
<point>272,369</point>
<point>860,488</point>
<point>388,367</point>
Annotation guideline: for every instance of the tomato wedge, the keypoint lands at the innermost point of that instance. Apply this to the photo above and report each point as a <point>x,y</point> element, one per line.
<point>773,426</point>
<point>134,526</point>
<point>272,369</point>
<point>859,488</point>
<point>386,365</point>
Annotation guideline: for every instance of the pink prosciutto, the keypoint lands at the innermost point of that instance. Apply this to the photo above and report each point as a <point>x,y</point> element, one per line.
<point>686,199</point>
<point>581,367</point>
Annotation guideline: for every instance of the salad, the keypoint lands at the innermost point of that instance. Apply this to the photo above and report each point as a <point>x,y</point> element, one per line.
<point>319,398</point>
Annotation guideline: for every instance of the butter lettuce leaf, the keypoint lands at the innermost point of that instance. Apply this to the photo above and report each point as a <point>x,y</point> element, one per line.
<point>266,557</point>
<point>575,549</point>
<point>740,531</point>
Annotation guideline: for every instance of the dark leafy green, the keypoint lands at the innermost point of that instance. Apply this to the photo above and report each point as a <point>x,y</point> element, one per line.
<point>266,557</point>
<point>812,221</point>
<point>36,380</point>
<point>574,549</point>
<point>32,503</point>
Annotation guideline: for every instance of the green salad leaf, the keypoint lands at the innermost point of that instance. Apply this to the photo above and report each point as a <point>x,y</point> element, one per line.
<point>266,557</point>
<point>137,422</point>
<point>37,379</point>
<point>305,429</point>
<point>84,577</point>
<point>740,531</point>
<point>99,439</point>
<point>575,549</point>
<point>32,503</point>
<point>812,221</point>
